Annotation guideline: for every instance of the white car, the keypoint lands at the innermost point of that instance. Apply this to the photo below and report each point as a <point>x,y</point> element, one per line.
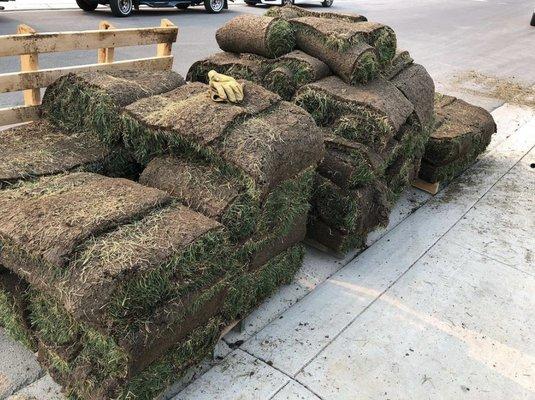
<point>324,3</point>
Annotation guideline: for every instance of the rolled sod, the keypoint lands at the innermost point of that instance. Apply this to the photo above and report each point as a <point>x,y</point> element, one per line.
<point>263,140</point>
<point>401,61</point>
<point>120,259</point>
<point>463,131</point>
<point>240,66</point>
<point>39,148</point>
<point>351,211</point>
<point>265,36</point>
<point>293,70</point>
<point>352,165</point>
<point>331,238</point>
<point>290,11</point>
<point>370,114</point>
<point>224,197</point>
<point>354,62</point>
<point>93,101</point>
<point>418,87</point>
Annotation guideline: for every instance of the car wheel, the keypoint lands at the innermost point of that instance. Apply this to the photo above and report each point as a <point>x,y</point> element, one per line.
<point>182,6</point>
<point>214,6</point>
<point>327,3</point>
<point>121,8</point>
<point>87,5</point>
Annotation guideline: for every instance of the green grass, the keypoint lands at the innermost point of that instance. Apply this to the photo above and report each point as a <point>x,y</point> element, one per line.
<point>12,320</point>
<point>280,38</point>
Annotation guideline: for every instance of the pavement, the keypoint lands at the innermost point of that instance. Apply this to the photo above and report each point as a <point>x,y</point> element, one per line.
<point>441,304</point>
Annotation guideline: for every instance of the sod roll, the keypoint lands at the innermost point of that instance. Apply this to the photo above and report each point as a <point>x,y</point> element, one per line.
<point>401,60</point>
<point>370,114</point>
<point>93,101</point>
<point>290,11</point>
<point>250,67</point>
<point>293,70</point>
<point>463,131</point>
<point>418,87</point>
<point>38,149</point>
<point>258,138</point>
<point>265,36</point>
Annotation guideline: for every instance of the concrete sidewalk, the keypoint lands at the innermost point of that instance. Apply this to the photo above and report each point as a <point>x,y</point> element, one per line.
<point>439,306</point>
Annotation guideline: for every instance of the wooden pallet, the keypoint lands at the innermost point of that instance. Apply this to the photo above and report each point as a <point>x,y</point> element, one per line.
<point>28,44</point>
<point>431,188</point>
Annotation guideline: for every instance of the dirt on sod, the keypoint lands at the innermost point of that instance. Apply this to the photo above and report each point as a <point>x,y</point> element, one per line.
<point>246,66</point>
<point>293,70</point>
<point>265,36</point>
<point>93,101</point>
<point>290,11</point>
<point>463,131</point>
<point>38,148</point>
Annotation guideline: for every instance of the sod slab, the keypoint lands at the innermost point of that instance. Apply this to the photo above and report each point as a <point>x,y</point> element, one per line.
<point>463,131</point>
<point>401,61</point>
<point>293,70</point>
<point>265,36</point>
<point>39,148</point>
<point>92,101</point>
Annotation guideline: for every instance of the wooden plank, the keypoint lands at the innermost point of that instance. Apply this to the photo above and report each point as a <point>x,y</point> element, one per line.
<point>15,115</point>
<point>106,55</point>
<point>29,62</point>
<point>165,49</point>
<point>14,45</point>
<point>431,188</point>
<point>16,81</point>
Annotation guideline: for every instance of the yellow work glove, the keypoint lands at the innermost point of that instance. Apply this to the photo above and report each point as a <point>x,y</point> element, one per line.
<point>224,88</point>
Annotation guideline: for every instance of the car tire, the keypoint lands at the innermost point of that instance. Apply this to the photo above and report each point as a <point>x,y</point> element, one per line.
<point>182,6</point>
<point>327,3</point>
<point>214,6</point>
<point>87,5</point>
<point>121,8</point>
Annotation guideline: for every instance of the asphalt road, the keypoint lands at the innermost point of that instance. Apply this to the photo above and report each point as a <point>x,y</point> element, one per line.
<point>449,37</point>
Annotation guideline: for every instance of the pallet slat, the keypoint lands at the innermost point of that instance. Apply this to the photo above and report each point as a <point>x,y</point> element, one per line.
<point>14,45</point>
<point>16,81</point>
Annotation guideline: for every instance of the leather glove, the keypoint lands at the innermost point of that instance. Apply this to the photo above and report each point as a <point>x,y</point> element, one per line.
<point>224,88</point>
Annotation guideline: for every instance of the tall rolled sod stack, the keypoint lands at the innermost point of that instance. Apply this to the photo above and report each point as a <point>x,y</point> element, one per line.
<point>120,284</point>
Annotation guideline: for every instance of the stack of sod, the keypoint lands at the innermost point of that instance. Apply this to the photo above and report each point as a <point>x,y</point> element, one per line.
<point>355,51</point>
<point>39,149</point>
<point>290,11</point>
<point>292,71</point>
<point>123,282</point>
<point>463,131</point>
<point>375,136</point>
<point>265,36</point>
<point>93,101</point>
<point>249,165</point>
<point>240,66</point>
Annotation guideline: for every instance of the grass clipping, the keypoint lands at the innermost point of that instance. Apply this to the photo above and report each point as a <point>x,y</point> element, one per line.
<point>264,36</point>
